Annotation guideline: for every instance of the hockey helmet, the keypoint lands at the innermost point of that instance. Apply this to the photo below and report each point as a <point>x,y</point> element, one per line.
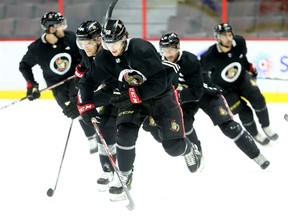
<point>88,30</point>
<point>52,19</point>
<point>113,31</point>
<point>169,40</point>
<point>222,27</point>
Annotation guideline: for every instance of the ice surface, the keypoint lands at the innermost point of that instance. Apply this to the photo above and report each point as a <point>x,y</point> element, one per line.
<point>33,136</point>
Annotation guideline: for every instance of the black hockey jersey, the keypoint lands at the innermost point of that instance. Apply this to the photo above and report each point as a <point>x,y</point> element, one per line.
<point>226,69</point>
<point>91,85</point>
<point>86,61</point>
<point>56,61</point>
<point>188,76</point>
<point>139,67</point>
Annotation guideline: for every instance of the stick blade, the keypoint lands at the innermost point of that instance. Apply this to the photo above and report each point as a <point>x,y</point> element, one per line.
<point>50,192</point>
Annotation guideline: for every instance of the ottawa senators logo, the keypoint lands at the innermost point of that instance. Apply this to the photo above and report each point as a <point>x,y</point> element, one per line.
<point>174,126</point>
<point>152,121</point>
<point>61,63</point>
<point>132,77</point>
<point>222,111</point>
<point>231,72</point>
<point>133,80</point>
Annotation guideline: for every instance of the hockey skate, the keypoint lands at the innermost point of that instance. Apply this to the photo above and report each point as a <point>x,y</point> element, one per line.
<point>199,155</point>
<point>270,133</point>
<point>93,143</point>
<point>260,138</point>
<point>193,158</point>
<point>116,189</point>
<point>262,161</point>
<point>104,181</point>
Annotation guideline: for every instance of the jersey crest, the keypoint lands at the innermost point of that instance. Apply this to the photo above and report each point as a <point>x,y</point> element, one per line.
<point>231,72</point>
<point>61,63</point>
<point>132,77</point>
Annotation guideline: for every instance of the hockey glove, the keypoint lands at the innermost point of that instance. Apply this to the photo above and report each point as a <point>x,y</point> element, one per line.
<point>253,71</point>
<point>78,74</point>
<point>211,89</point>
<point>125,99</point>
<point>87,112</point>
<point>32,91</point>
<point>71,111</point>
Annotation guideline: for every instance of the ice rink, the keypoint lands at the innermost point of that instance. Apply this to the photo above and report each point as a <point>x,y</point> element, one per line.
<point>33,136</point>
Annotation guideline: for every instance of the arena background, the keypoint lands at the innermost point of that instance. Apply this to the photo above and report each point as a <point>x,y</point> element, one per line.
<point>263,23</point>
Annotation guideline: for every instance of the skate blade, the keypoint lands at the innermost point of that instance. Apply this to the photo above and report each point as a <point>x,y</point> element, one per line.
<point>118,197</point>
<point>103,188</point>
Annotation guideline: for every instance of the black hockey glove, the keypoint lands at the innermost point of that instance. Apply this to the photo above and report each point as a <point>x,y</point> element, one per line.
<point>87,112</point>
<point>32,90</point>
<point>253,71</point>
<point>211,89</point>
<point>125,99</point>
<point>71,111</point>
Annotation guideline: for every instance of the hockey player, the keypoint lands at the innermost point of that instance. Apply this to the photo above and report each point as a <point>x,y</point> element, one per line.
<point>225,63</point>
<point>211,102</point>
<point>144,88</point>
<point>57,54</point>
<point>89,42</point>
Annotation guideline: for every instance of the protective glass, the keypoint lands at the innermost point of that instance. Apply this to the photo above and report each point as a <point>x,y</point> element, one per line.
<point>62,25</point>
<point>170,50</point>
<point>82,44</point>
<point>115,45</point>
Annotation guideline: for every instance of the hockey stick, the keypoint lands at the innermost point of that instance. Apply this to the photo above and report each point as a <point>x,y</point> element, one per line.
<point>272,78</point>
<point>110,10</point>
<point>42,90</point>
<point>51,191</point>
<point>286,117</point>
<point>131,204</point>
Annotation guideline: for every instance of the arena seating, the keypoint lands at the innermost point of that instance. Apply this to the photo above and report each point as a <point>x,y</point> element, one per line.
<point>189,18</point>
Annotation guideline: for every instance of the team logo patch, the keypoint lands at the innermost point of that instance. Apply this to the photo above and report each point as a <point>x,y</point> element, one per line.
<point>222,111</point>
<point>231,72</point>
<point>61,63</point>
<point>152,122</point>
<point>133,80</point>
<point>132,77</point>
<point>174,126</point>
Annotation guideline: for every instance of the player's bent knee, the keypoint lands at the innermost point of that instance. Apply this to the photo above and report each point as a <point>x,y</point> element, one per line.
<point>231,129</point>
<point>174,147</point>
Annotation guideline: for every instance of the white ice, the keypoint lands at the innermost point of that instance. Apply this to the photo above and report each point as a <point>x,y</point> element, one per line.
<point>33,136</point>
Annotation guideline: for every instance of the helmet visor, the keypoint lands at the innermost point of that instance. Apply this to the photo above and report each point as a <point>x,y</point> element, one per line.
<point>86,44</point>
<point>62,25</point>
<point>169,50</point>
<point>113,45</point>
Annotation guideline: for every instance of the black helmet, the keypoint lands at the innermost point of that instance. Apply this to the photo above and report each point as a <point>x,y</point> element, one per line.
<point>88,30</point>
<point>113,31</point>
<point>51,19</point>
<point>222,27</point>
<point>169,40</point>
